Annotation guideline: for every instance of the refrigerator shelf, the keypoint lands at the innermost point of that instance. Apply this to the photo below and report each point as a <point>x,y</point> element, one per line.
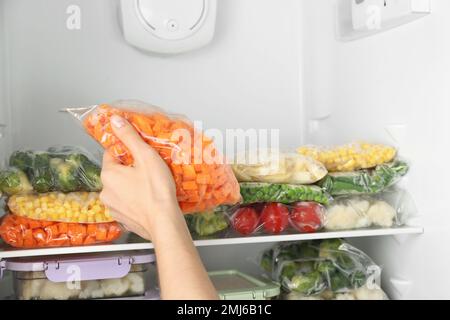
<point>124,244</point>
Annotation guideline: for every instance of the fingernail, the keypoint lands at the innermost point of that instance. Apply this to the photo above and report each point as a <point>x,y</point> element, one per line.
<point>117,121</point>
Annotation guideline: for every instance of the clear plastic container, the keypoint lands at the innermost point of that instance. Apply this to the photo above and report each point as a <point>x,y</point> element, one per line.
<point>235,285</point>
<point>92,277</point>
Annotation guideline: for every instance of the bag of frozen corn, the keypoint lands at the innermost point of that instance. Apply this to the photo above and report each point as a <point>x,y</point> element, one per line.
<point>203,179</point>
<point>273,166</point>
<point>351,157</point>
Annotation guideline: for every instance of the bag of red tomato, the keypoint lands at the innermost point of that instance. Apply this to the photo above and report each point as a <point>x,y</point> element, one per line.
<point>277,218</point>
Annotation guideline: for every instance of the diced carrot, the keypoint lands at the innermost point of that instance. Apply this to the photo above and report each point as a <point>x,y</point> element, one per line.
<point>91,229</point>
<point>40,236</point>
<point>202,190</point>
<point>101,233</point>
<point>29,242</point>
<point>113,233</point>
<point>189,172</point>
<point>189,185</point>
<point>193,196</point>
<point>33,224</point>
<point>89,240</point>
<point>76,240</point>
<point>203,179</point>
<point>176,169</point>
<point>52,231</point>
<point>62,227</point>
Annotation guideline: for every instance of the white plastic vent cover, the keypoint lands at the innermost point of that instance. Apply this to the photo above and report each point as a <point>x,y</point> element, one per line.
<point>168,26</point>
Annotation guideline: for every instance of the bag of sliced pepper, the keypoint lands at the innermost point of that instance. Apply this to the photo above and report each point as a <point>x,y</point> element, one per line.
<point>202,178</point>
<point>323,270</point>
<point>21,232</point>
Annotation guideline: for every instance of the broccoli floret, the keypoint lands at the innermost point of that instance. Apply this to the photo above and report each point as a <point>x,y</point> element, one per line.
<point>65,174</point>
<point>288,270</point>
<point>205,224</point>
<point>41,176</point>
<point>14,181</point>
<point>326,267</point>
<point>22,160</point>
<point>329,248</point>
<point>309,283</point>
<point>88,172</point>
<point>339,282</point>
<point>358,279</point>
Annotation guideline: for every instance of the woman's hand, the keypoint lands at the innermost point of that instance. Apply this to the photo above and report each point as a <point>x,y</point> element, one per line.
<point>137,195</point>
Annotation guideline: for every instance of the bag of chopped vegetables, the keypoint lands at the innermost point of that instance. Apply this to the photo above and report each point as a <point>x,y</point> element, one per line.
<point>384,210</point>
<point>323,269</point>
<point>64,169</point>
<point>254,192</point>
<point>365,181</point>
<point>354,156</point>
<point>207,223</point>
<point>273,166</point>
<point>202,178</point>
<point>21,232</point>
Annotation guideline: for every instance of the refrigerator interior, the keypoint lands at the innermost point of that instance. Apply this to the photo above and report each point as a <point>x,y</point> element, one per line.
<point>292,75</point>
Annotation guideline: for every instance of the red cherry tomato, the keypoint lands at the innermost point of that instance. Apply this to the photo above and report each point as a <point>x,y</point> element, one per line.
<point>306,217</point>
<point>275,217</point>
<point>245,220</point>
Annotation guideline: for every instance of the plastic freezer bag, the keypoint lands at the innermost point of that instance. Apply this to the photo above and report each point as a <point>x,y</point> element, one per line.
<point>82,207</point>
<point>384,210</point>
<point>23,232</point>
<point>354,156</point>
<point>65,169</point>
<point>277,218</point>
<point>254,192</point>
<point>202,178</point>
<point>275,167</point>
<point>323,269</point>
<point>365,181</point>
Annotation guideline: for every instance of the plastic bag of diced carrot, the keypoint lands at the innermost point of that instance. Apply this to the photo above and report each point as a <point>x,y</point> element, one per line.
<point>203,179</point>
<point>21,232</point>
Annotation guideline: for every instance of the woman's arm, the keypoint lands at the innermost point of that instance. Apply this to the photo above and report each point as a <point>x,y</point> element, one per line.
<point>143,198</point>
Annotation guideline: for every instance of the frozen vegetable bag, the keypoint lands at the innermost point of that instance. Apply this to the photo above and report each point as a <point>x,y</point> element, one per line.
<point>202,178</point>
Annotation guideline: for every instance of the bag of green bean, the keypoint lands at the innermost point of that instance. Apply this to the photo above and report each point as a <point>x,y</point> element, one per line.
<point>282,193</point>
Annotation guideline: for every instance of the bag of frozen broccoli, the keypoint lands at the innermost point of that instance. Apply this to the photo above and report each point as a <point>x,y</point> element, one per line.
<point>253,192</point>
<point>207,223</point>
<point>323,269</point>
<point>365,181</point>
<point>63,169</point>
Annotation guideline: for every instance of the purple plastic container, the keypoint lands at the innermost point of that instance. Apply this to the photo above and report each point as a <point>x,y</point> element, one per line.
<point>96,276</point>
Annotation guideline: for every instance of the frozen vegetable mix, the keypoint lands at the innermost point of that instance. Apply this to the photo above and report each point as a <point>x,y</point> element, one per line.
<point>275,167</point>
<point>202,178</point>
<point>323,269</point>
<point>21,232</point>
<point>253,192</point>
<point>65,169</point>
<point>365,181</point>
<point>83,207</point>
<point>350,157</point>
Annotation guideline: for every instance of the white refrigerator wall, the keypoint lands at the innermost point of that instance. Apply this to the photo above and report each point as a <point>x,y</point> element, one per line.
<point>394,88</point>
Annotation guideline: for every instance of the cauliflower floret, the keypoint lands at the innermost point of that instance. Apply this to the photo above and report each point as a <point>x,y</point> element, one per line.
<point>58,291</point>
<point>364,293</point>
<point>91,290</point>
<point>31,289</point>
<point>341,217</point>
<point>115,287</point>
<point>345,296</point>
<point>382,214</point>
<point>360,205</point>
<point>137,285</point>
